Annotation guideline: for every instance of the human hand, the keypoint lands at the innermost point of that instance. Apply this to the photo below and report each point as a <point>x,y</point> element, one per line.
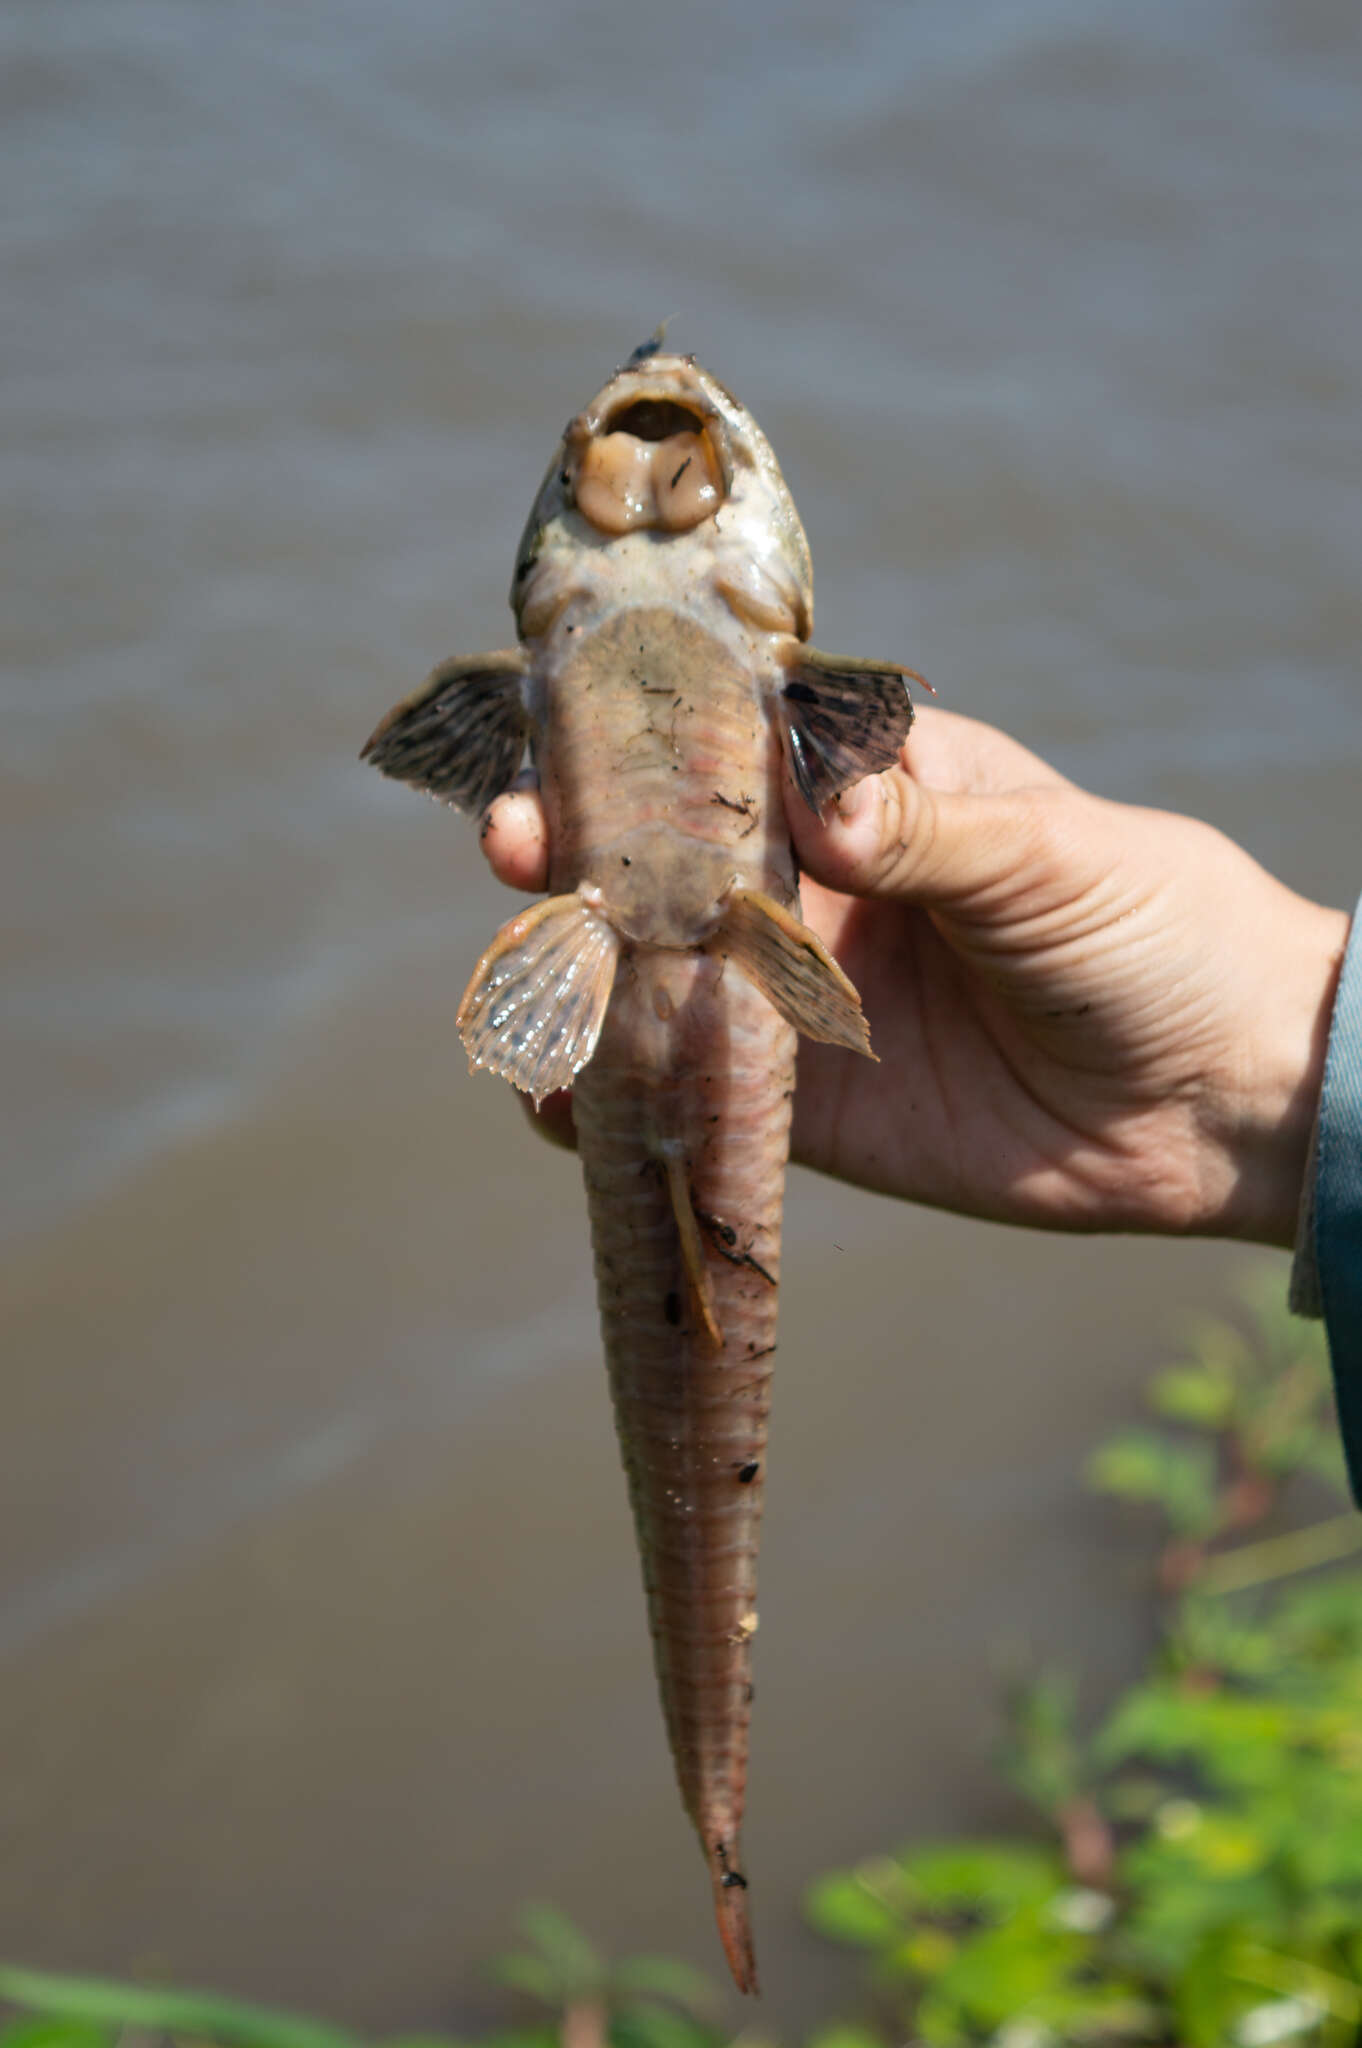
<point>1088,1016</point>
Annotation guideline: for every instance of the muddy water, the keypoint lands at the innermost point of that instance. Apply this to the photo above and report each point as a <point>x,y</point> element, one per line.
<point>321,1641</point>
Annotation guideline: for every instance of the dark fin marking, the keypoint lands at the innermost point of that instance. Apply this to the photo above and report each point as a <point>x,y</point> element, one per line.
<point>462,735</point>
<point>735,1927</point>
<point>698,1279</point>
<point>535,1005</point>
<point>793,969</point>
<point>844,719</point>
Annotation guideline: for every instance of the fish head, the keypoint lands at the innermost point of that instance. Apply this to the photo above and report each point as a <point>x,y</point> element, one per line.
<point>664,451</point>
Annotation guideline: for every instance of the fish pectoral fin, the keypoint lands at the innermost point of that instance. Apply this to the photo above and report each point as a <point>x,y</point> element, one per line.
<point>842,719</point>
<point>793,969</point>
<point>534,1008</point>
<point>462,735</point>
<point>698,1278</point>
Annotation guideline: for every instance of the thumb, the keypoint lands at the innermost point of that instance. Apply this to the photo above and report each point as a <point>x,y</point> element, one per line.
<point>890,836</point>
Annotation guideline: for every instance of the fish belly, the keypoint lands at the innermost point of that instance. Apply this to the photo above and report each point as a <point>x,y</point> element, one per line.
<point>693,1065</point>
<point>661,772</point>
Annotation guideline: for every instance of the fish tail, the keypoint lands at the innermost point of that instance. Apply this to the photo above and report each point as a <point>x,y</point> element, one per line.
<point>733,1919</point>
<point>683,1137</point>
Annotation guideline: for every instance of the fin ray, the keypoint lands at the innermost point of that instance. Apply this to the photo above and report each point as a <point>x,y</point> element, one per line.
<point>793,969</point>
<point>462,735</point>
<point>534,1008</point>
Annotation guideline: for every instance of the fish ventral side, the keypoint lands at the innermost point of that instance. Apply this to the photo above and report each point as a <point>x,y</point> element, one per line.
<point>663,684</point>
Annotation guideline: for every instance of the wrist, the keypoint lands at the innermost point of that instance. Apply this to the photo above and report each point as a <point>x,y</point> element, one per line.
<point>1262,1111</point>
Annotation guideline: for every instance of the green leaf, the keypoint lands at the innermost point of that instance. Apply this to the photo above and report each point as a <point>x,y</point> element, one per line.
<point>1322,1620</point>
<point>564,1947</point>
<point>938,2022</point>
<point>1005,1971</point>
<point>1191,1394</point>
<point>1042,1756</point>
<point>991,1877</point>
<point>1226,1846</point>
<point>665,1977</point>
<point>658,2026</point>
<point>1237,1739</point>
<point>850,1906</point>
<point>1208,2001</point>
<point>926,1952</point>
<point>158,2010</point>
<point>1140,1465</point>
<point>531,1975</point>
<point>43,2030</point>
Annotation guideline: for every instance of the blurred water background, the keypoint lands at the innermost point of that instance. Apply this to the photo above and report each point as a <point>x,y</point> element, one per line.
<point>320,1633</point>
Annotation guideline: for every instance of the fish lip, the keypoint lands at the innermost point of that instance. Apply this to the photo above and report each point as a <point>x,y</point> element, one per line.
<point>676,380</point>
<point>609,405</point>
<point>664,381</point>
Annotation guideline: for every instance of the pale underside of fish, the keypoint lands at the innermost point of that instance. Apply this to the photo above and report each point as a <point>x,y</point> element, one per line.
<point>665,688</point>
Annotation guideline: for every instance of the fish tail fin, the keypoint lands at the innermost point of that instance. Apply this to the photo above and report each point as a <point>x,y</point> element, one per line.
<point>733,1919</point>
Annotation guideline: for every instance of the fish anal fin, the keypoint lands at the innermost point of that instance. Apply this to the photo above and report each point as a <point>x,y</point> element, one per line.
<point>534,1008</point>
<point>462,735</point>
<point>698,1278</point>
<point>843,718</point>
<point>793,969</point>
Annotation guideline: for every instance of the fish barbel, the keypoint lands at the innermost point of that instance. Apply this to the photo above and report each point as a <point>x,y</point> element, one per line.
<point>664,685</point>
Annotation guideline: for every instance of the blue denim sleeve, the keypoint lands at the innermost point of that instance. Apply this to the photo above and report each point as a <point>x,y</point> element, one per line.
<point>1328,1275</point>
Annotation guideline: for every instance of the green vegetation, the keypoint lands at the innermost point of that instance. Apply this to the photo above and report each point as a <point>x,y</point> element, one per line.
<point>1189,1873</point>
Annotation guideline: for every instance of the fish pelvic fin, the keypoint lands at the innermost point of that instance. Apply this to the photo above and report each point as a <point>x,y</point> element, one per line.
<point>793,969</point>
<point>732,1915</point>
<point>698,1279</point>
<point>842,719</point>
<point>534,1008</point>
<point>462,735</point>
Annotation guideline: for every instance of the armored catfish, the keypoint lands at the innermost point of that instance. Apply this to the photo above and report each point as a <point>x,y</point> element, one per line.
<point>664,686</point>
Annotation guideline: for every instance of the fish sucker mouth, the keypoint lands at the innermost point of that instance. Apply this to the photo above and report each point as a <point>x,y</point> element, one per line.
<point>654,462</point>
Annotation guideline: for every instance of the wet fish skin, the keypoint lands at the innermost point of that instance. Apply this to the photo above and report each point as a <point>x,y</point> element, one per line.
<point>691,1418</point>
<point>663,594</point>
